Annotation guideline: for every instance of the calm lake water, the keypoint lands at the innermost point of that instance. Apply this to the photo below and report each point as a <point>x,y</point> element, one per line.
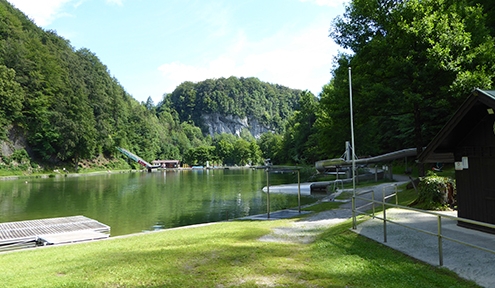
<point>134,202</point>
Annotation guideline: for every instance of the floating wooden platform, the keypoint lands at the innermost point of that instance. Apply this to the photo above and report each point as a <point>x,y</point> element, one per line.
<point>51,231</point>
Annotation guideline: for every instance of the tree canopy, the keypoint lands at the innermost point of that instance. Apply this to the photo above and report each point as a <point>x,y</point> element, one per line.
<point>269,104</point>
<point>413,63</point>
<point>67,104</point>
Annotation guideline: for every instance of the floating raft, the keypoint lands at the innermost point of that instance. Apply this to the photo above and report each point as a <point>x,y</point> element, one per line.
<point>51,231</point>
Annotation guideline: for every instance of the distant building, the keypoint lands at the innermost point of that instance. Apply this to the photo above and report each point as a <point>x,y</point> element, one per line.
<point>166,163</point>
<point>468,141</point>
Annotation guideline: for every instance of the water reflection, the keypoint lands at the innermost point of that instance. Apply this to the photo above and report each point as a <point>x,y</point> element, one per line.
<point>133,202</point>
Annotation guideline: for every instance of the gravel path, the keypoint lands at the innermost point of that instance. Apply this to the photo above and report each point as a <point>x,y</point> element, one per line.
<point>306,230</point>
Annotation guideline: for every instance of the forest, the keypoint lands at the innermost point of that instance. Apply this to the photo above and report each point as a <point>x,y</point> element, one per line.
<point>65,107</point>
<point>413,62</point>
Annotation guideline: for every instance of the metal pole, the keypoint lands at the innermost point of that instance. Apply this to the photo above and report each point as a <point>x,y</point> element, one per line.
<point>353,155</point>
<point>373,202</point>
<point>384,217</point>
<point>376,173</point>
<point>268,193</point>
<point>440,249</point>
<point>396,195</point>
<point>299,190</point>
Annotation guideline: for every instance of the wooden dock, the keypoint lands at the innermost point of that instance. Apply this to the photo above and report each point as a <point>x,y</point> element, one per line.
<point>51,231</point>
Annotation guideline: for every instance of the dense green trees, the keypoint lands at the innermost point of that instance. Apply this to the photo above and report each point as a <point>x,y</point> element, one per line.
<point>67,105</point>
<point>271,146</point>
<point>270,104</point>
<point>69,108</point>
<point>413,64</point>
<point>300,140</point>
<point>11,97</point>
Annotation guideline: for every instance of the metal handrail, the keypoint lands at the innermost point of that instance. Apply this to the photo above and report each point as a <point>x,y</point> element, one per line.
<point>438,215</point>
<point>335,185</point>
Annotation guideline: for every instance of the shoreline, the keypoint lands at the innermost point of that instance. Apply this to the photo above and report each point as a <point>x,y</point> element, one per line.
<point>60,174</point>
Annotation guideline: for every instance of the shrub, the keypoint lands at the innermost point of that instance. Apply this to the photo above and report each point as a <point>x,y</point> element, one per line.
<point>20,156</point>
<point>436,192</point>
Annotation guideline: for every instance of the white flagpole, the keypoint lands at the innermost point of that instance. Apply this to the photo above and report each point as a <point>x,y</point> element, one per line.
<point>353,155</point>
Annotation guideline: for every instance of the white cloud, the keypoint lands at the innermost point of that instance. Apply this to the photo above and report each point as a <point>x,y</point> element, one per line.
<point>42,12</point>
<point>300,61</point>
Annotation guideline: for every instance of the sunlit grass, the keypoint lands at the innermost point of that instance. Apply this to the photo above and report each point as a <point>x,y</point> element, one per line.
<point>227,254</point>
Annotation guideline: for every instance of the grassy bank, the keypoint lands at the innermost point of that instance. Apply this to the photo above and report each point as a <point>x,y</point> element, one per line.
<point>12,169</point>
<point>225,254</point>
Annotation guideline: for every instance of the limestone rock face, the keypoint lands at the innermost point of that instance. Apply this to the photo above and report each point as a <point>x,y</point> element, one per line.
<point>218,124</point>
<point>14,142</point>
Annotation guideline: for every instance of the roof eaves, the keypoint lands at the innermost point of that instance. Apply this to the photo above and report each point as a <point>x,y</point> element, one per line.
<point>452,123</point>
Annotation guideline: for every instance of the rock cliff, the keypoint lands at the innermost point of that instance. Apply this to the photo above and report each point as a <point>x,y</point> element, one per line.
<point>217,124</point>
<point>14,142</point>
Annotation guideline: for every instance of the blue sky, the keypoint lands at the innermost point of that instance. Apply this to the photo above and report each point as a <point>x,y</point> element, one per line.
<point>151,46</point>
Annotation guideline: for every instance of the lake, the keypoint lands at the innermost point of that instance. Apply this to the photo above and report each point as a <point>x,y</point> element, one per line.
<point>133,202</point>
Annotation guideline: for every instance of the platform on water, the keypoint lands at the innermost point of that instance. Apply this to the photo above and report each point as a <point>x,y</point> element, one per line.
<point>61,230</point>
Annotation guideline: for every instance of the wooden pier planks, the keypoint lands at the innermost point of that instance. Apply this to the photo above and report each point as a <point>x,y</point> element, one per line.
<point>31,230</point>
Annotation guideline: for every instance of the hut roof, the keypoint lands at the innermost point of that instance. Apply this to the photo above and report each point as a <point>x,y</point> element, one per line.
<point>469,114</point>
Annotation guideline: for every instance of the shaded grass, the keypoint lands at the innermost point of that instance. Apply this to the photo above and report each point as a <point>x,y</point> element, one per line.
<point>350,260</point>
<point>322,206</point>
<point>226,254</point>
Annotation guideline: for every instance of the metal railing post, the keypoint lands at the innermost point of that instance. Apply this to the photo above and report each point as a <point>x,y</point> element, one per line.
<point>268,193</point>
<point>373,203</point>
<point>438,234</point>
<point>396,195</point>
<point>299,190</point>
<point>354,211</point>
<point>440,249</point>
<point>384,217</point>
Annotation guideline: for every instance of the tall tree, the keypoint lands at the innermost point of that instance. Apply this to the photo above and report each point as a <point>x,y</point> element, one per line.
<point>414,63</point>
<point>300,138</point>
<point>11,97</point>
<point>271,147</point>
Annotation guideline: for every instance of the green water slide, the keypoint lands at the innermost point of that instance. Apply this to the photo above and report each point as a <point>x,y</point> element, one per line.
<point>138,159</point>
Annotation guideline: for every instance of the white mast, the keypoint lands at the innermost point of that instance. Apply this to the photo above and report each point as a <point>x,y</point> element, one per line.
<point>353,155</point>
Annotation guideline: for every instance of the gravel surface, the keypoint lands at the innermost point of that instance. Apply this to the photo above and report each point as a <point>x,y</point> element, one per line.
<point>305,230</point>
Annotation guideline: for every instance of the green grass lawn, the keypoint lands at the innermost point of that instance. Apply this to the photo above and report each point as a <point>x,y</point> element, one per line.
<point>225,254</point>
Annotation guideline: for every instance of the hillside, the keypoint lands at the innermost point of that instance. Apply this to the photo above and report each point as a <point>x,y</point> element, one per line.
<point>228,105</point>
<point>61,102</point>
<point>61,105</point>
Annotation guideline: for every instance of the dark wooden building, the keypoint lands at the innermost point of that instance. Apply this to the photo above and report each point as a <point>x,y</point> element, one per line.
<point>468,140</point>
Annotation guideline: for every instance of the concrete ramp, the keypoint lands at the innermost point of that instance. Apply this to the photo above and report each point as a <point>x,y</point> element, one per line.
<point>290,189</point>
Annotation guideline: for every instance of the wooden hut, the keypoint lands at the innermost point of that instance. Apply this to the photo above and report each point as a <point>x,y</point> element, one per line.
<point>468,140</point>
<point>166,163</point>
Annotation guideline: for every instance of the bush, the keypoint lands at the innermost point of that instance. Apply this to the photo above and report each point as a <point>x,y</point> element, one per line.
<point>20,156</point>
<point>436,192</point>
